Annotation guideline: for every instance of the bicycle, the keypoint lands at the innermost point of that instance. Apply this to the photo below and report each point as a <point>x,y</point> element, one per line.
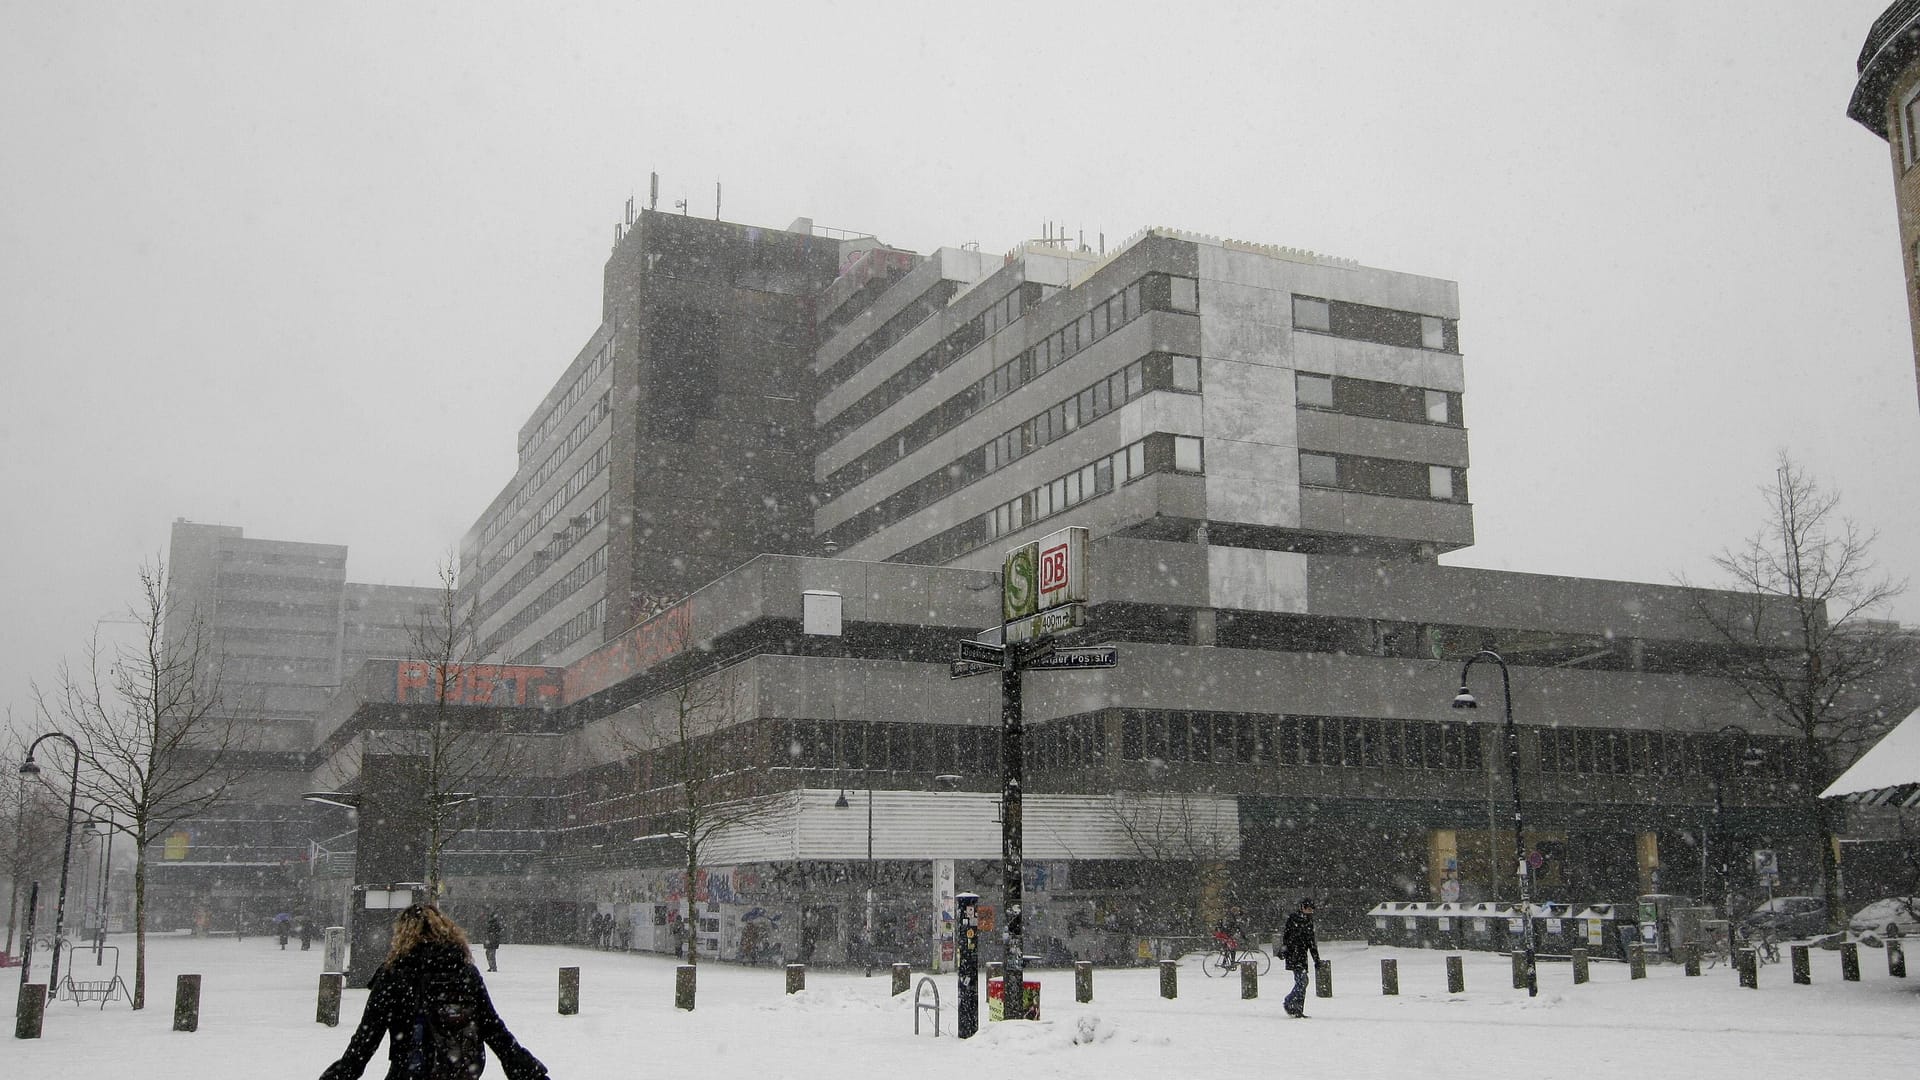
<point>1222,961</point>
<point>1765,946</point>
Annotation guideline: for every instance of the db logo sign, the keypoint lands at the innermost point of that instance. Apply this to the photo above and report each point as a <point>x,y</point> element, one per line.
<point>1053,568</point>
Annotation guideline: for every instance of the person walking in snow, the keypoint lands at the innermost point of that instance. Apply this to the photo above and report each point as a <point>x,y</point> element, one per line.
<point>432,1005</point>
<point>1297,943</point>
<point>492,941</point>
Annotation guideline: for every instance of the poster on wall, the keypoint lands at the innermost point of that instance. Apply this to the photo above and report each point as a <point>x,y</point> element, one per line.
<point>943,906</point>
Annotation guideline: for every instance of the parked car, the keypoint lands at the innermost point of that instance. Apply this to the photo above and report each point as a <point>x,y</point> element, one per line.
<point>1896,916</point>
<point>1790,916</point>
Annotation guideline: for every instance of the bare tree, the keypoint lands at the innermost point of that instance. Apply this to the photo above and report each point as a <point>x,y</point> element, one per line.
<point>1803,645</point>
<point>156,748</point>
<point>1184,855</point>
<point>701,782</point>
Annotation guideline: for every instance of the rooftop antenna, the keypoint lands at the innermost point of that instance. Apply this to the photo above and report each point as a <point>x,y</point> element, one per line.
<point>716,200</point>
<point>1103,243</point>
<point>681,204</point>
<point>653,192</point>
<point>629,210</point>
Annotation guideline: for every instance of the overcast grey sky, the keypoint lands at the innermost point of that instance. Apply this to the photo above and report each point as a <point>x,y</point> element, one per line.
<point>306,268</point>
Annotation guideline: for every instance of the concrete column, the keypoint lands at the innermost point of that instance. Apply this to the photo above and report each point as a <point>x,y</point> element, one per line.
<point>796,978</point>
<point>569,991</point>
<point>1747,963</point>
<point>1896,960</point>
<point>29,1012</point>
<point>1579,966</point>
<point>334,956</point>
<point>1249,980</point>
<point>1850,961</point>
<point>1636,961</point>
<point>1456,976</point>
<point>1169,979</point>
<point>1323,979</point>
<point>1519,970</point>
<point>1693,958</point>
<point>328,1010</point>
<point>1802,965</point>
<point>902,975</point>
<point>683,986</point>
<point>1082,981</point>
<point>1390,978</point>
<point>186,1003</point>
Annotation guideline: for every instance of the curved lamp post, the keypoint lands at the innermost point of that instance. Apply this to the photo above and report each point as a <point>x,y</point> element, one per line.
<point>1465,700</point>
<point>28,768</point>
<point>867,930</point>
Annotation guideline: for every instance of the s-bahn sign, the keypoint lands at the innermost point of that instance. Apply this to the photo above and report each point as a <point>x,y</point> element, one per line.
<point>1042,585</point>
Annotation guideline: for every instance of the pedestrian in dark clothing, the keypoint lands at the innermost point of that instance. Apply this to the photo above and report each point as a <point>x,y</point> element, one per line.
<point>306,935</point>
<point>1297,943</point>
<point>281,930</point>
<point>492,941</point>
<point>431,1003</point>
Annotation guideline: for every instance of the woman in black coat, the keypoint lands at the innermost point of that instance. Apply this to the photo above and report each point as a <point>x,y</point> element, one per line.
<point>429,985</point>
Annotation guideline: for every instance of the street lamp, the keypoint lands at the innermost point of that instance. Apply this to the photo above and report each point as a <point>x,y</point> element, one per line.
<point>106,825</point>
<point>867,928</point>
<point>28,768</point>
<point>1465,700</point>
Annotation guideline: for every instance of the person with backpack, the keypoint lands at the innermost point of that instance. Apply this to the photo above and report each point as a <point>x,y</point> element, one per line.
<point>431,1003</point>
<point>1297,942</point>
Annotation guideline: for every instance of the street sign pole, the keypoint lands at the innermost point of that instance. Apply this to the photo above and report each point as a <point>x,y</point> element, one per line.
<point>1013,991</point>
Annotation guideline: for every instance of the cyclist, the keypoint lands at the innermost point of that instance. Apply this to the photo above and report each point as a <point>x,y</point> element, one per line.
<point>1227,933</point>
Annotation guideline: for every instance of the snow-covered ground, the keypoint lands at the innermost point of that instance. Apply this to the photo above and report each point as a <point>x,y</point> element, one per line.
<point>257,1012</point>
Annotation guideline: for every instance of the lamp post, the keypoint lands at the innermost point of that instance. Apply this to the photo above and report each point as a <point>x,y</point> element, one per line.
<point>106,825</point>
<point>866,931</point>
<point>1465,700</point>
<point>28,768</point>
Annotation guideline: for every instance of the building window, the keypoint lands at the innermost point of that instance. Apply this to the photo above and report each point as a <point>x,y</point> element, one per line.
<point>1186,453</point>
<point>1319,470</point>
<point>1909,125</point>
<point>1314,390</point>
<point>1311,314</point>
<point>1433,333</point>
<point>1438,411</point>
<point>1186,373</point>
<point>1186,294</point>
<point>1440,481</point>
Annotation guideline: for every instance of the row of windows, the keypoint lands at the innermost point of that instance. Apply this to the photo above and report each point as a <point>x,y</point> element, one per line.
<point>1155,453</point>
<point>944,353</point>
<point>558,543</point>
<point>276,583</point>
<point>274,558</point>
<point>1376,400</point>
<point>575,438</point>
<point>595,368</point>
<point>929,749</point>
<point>276,607</point>
<point>1363,322</point>
<point>565,634</point>
<point>563,495</point>
<point>1153,292</point>
<point>1383,476</point>
<point>569,583</point>
<point>1661,753</point>
<point>903,322</point>
<point>1253,739</point>
<point>1156,371</point>
<point>1159,452</point>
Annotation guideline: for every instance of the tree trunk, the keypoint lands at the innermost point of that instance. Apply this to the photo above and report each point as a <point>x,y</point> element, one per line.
<point>693,909</point>
<point>140,923</point>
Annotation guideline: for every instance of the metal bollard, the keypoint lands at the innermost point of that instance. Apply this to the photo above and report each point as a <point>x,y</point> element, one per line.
<point>186,1003</point>
<point>1693,958</point>
<point>1169,979</point>
<point>32,1007</point>
<point>1580,972</point>
<point>683,986</point>
<point>1249,980</point>
<point>1390,978</point>
<point>1323,979</point>
<point>1456,976</point>
<point>1083,981</point>
<point>1519,971</point>
<point>796,978</point>
<point>1748,963</point>
<point>1896,960</point>
<point>1636,961</point>
<point>902,975</point>
<point>1802,958</point>
<point>569,991</point>
<point>328,1011</point>
<point>1850,961</point>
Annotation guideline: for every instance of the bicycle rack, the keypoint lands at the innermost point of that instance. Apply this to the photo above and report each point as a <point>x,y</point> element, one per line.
<point>926,983</point>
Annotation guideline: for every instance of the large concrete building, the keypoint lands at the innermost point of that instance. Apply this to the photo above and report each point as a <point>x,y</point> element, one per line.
<point>1270,451</point>
<point>277,623</point>
<point>1886,101</point>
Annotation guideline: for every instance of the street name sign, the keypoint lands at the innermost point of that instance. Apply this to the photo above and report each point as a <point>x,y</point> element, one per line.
<point>1104,656</point>
<point>961,669</point>
<point>981,653</point>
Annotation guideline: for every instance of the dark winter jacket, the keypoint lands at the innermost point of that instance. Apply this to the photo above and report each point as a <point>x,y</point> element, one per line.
<point>492,939</point>
<point>393,1001</point>
<point>1297,941</point>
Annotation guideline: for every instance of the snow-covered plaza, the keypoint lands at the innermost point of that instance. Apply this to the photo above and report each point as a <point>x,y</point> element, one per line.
<point>258,1004</point>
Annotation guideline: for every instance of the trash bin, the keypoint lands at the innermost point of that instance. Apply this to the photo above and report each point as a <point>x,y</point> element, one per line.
<point>1596,931</point>
<point>1380,920</point>
<point>996,999</point>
